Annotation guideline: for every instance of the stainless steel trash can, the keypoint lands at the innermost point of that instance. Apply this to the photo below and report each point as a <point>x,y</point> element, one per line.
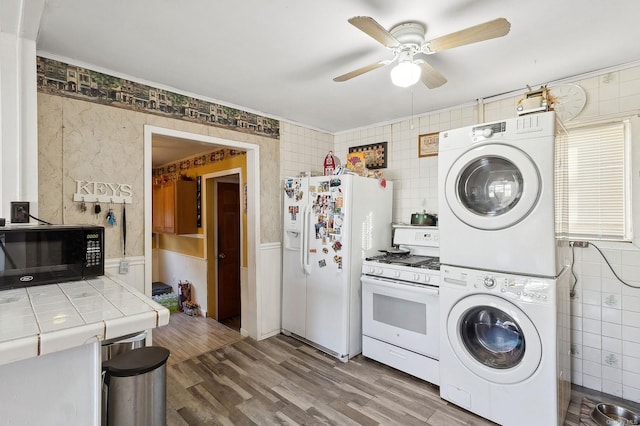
<point>114,347</point>
<point>136,384</point>
<point>122,344</point>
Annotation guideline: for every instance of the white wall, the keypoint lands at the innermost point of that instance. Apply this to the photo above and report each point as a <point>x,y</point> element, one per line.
<point>302,150</point>
<point>134,276</point>
<point>174,268</point>
<point>415,179</point>
<point>271,291</point>
<point>605,314</point>
<point>19,23</point>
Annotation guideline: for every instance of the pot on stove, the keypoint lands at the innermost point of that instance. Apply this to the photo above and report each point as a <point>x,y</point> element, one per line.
<point>424,218</point>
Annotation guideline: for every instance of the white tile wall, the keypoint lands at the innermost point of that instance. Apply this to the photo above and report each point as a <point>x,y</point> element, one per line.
<point>302,149</point>
<point>415,179</point>
<point>605,314</point>
<point>619,321</point>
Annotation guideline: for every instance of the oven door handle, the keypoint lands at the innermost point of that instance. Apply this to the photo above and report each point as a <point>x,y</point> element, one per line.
<point>399,286</point>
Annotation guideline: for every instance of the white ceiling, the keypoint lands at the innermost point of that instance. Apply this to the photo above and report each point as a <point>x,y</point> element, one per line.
<point>278,58</point>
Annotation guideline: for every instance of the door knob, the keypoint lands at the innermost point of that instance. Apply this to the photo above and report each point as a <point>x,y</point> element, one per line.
<point>222,256</point>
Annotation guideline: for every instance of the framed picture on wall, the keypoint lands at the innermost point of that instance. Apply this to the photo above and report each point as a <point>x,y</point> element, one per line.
<point>428,144</point>
<point>375,154</point>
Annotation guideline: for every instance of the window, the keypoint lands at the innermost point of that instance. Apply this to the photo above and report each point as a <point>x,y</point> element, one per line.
<point>593,182</point>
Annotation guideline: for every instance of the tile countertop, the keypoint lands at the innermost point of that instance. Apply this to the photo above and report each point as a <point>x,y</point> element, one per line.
<point>43,319</point>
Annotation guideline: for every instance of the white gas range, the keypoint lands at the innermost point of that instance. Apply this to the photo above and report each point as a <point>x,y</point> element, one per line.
<point>400,309</point>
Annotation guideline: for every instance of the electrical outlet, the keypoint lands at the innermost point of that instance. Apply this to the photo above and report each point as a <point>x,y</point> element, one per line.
<point>19,212</point>
<point>581,244</point>
<point>124,267</point>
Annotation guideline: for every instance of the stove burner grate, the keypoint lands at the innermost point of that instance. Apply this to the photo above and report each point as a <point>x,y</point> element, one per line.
<point>424,262</point>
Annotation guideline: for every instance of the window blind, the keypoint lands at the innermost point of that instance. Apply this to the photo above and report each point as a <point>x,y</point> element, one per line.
<point>591,182</point>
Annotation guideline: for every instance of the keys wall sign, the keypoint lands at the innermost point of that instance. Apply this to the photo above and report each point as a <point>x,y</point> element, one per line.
<point>103,192</point>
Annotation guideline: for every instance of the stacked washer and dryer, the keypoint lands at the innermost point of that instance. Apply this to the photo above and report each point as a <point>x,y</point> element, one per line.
<point>504,291</point>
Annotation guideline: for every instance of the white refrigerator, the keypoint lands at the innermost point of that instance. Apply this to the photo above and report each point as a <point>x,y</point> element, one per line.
<point>331,223</point>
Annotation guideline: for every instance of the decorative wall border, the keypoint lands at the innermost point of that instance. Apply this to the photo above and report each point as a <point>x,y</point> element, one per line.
<point>71,81</point>
<point>171,172</point>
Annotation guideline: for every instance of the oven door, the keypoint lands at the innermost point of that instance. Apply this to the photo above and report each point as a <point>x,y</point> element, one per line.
<point>402,314</point>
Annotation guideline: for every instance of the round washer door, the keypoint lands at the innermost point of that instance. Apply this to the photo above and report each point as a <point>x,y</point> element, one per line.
<point>492,186</point>
<point>494,339</point>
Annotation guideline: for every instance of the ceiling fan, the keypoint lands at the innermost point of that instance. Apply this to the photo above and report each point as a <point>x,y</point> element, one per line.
<point>407,42</point>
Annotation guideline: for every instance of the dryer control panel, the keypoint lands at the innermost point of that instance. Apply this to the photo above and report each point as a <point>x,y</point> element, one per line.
<point>488,130</point>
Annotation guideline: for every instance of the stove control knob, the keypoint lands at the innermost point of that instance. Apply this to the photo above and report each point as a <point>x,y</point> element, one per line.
<point>372,269</point>
<point>489,282</point>
<point>427,278</point>
<point>396,274</point>
<point>416,277</point>
<point>379,271</point>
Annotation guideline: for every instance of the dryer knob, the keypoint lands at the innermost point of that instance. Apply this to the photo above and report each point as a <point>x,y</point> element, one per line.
<point>489,282</point>
<point>488,132</point>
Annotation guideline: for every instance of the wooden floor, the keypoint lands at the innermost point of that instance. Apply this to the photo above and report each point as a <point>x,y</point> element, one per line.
<point>187,337</point>
<point>279,380</point>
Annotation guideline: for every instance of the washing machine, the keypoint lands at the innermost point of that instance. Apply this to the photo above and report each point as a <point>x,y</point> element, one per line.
<point>504,345</point>
<point>496,197</point>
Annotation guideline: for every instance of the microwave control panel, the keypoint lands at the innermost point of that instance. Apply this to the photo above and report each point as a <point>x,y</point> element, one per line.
<point>94,264</point>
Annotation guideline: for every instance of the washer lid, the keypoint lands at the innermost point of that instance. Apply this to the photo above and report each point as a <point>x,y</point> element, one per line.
<point>492,186</point>
<point>494,339</point>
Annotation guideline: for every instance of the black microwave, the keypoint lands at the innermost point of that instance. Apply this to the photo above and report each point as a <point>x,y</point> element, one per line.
<point>45,254</point>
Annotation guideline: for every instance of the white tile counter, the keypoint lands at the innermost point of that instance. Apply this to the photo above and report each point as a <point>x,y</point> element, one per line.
<point>50,339</point>
<point>40,320</point>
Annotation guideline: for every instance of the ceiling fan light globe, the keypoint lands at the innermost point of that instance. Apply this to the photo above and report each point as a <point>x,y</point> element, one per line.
<point>405,74</point>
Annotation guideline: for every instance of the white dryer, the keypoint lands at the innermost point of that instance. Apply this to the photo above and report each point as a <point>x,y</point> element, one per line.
<point>496,196</point>
<point>504,345</point>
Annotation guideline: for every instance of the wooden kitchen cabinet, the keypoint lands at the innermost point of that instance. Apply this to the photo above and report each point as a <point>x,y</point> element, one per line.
<point>174,207</point>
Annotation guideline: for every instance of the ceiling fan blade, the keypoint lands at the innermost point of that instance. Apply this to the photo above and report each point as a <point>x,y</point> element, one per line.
<point>492,29</point>
<point>429,76</point>
<point>360,71</point>
<point>374,30</point>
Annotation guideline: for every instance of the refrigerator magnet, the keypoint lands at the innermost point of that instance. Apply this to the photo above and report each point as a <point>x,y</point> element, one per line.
<point>322,263</point>
<point>325,250</point>
<point>293,211</point>
<point>288,188</point>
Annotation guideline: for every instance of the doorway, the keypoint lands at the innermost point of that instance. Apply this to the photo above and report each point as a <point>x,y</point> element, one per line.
<point>250,286</point>
<point>224,247</point>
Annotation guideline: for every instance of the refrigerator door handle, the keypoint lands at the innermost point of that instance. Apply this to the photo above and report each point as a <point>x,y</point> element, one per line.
<point>303,227</point>
<point>305,239</point>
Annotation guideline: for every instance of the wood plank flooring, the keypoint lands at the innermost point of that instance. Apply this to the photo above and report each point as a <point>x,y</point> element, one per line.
<point>283,381</point>
<point>187,337</point>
